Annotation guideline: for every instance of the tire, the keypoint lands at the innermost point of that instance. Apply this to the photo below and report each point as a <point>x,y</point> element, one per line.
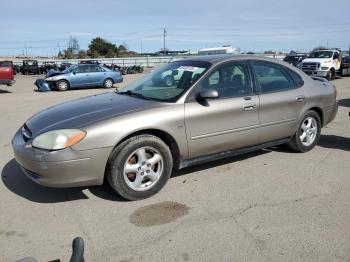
<point>108,83</point>
<point>137,184</point>
<point>330,75</point>
<point>308,133</point>
<point>62,85</point>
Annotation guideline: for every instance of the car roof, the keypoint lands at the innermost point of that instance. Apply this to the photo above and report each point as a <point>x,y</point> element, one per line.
<point>215,59</point>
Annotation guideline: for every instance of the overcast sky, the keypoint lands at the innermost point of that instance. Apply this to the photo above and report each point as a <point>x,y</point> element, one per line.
<point>253,25</point>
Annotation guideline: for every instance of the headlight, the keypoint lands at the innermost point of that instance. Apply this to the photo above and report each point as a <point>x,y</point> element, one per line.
<point>50,79</point>
<point>58,139</point>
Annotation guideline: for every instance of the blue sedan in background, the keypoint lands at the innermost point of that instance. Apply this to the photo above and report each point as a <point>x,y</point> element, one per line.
<point>77,76</point>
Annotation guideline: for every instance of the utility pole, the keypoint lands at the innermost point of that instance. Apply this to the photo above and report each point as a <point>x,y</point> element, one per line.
<point>141,47</point>
<point>164,35</point>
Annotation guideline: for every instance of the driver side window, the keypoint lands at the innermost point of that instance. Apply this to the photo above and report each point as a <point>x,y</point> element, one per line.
<point>230,80</point>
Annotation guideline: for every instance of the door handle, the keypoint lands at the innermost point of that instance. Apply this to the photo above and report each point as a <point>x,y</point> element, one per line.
<point>249,107</point>
<point>300,98</point>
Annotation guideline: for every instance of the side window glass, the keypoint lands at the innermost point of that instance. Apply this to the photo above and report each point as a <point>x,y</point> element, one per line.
<point>230,80</point>
<point>272,77</point>
<point>80,69</point>
<point>298,81</point>
<point>214,80</point>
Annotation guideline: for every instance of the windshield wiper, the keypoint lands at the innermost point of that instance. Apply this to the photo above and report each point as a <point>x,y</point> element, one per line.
<point>132,93</point>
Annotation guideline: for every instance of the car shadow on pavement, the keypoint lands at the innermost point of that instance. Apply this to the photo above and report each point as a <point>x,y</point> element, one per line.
<point>334,142</point>
<point>4,91</point>
<point>344,102</point>
<point>18,183</point>
<point>216,163</point>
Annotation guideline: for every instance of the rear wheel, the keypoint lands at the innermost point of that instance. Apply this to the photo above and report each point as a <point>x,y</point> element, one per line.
<point>62,85</point>
<point>108,83</point>
<point>307,134</point>
<point>139,167</point>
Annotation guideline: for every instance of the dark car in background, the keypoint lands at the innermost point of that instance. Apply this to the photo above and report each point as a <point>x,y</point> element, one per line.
<point>47,66</point>
<point>17,67</point>
<point>30,67</point>
<point>294,59</point>
<point>6,73</point>
<point>64,65</point>
<point>345,66</point>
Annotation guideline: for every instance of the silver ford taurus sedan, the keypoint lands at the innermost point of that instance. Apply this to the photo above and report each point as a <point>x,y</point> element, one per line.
<point>186,112</point>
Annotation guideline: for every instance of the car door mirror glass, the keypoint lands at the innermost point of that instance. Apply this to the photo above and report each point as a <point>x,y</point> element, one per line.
<point>208,94</point>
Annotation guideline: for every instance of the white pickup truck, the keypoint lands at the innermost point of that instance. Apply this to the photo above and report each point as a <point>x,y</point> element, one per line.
<point>324,63</point>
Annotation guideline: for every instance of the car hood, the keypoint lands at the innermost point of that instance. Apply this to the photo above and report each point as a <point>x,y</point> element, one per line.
<point>52,73</point>
<point>315,60</point>
<point>84,111</point>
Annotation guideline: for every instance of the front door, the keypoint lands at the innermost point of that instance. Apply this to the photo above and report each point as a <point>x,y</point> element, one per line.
<point>79,77</point>
<point>228,122</point>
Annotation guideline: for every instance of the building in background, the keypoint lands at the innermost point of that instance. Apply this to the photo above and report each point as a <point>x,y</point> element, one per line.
<point>219,50</point>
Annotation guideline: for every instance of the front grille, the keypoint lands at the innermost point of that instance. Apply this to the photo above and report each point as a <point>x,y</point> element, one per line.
<point>26,133</point>
<point>310,66</point>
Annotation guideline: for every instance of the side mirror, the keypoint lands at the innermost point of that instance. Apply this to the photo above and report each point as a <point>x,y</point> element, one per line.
<point>74,73</point>
<point>208,94</point>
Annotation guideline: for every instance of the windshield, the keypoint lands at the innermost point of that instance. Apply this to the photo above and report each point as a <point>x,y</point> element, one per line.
<point>70,69</point>
<point>169,82</point>
<point>321,54</point>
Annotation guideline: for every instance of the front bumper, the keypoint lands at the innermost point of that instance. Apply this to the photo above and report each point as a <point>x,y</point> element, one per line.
<point>316,73</point>
<point>60,168</point>
<point>44,86</point>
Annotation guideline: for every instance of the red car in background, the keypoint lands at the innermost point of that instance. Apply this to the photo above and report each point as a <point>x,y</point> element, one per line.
<point>6,73</point>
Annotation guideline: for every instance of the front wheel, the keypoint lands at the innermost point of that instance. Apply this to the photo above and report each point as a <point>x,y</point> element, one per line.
<point>62,85</point>
<point>308,133</point>
<point>330,75</point>
<point>139,167</point>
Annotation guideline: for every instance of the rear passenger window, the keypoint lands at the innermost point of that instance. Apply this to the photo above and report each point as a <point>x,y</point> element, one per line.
<point>298,81</point>
<point>271,77</point>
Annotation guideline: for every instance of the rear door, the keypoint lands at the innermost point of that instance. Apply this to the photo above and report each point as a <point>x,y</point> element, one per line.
<point>96,75</point>
<point>228,122</point>
<point>281,99</point>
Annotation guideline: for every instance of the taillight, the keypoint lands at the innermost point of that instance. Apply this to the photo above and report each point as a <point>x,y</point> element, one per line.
<point>335,91</point>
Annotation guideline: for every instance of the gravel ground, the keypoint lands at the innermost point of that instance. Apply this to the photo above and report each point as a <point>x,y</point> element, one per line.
<point>270,205</point>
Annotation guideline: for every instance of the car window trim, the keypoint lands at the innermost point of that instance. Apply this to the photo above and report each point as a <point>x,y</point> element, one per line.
<point>288,70</point>
<point>258,87</point>
<point>212,70</point>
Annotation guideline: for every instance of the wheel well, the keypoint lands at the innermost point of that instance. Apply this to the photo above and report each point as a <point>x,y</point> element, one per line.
<point>167,139</point>
<point>319,112</point>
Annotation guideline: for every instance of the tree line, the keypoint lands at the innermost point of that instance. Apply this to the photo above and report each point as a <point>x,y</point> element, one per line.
<point>97,48</point>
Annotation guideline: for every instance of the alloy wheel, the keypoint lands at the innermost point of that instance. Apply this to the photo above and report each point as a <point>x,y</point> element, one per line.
<point>308,131</point>
<point>143,168</point>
